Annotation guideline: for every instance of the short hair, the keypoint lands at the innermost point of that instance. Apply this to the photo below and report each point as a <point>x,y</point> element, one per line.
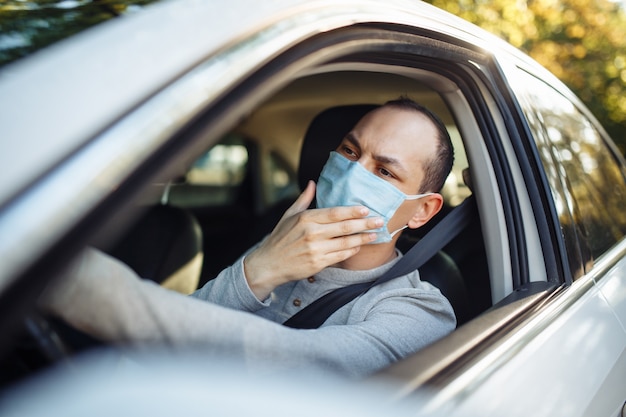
<point>438,168</point>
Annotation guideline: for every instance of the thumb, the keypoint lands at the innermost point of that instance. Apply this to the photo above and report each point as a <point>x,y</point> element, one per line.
<point>303,202</point>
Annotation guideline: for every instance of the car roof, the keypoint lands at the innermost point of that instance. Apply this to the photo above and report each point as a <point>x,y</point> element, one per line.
<point>58,99</point>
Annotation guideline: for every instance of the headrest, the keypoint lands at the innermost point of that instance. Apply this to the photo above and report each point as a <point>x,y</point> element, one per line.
<point>325,133</point>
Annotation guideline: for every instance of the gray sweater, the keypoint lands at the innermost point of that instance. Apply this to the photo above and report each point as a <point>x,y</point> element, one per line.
<point>391,321</point>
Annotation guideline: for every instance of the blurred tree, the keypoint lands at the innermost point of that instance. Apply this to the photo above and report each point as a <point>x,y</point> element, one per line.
<point>29,25</point>
<point>583,42</point>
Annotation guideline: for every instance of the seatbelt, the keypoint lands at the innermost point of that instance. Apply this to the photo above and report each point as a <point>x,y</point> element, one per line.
<point>316,313</point>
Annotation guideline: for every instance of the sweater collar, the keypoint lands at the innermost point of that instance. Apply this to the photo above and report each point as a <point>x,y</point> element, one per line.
<point>347,276</point>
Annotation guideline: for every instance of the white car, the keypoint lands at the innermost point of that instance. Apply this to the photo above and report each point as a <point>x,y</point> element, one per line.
<point>197,111</point>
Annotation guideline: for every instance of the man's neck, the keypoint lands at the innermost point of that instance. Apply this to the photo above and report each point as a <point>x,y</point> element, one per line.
<point>370,257</point>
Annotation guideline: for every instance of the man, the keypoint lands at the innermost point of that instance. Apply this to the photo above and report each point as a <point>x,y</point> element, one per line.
<point>393,153</point>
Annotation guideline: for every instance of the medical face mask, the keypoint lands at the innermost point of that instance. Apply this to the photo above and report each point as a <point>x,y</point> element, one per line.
<point>347,183</point>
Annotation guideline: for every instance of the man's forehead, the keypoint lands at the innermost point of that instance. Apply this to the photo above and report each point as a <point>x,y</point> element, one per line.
<point>407,129</point>
<point>407,112</point>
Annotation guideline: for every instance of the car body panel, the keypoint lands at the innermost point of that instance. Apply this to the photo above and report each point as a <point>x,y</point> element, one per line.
<point>541,358</point>
<point>548,369</point>
<point>612,284</point>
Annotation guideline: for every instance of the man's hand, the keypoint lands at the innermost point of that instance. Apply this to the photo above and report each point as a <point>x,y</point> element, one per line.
<point>306,241</point>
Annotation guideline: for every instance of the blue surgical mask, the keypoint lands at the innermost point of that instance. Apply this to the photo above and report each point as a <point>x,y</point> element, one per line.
<point>347,183</point>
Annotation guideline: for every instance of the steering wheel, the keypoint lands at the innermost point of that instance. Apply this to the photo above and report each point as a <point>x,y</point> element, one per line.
<point>46,338</point>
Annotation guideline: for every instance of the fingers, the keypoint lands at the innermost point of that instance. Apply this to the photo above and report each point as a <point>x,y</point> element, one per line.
<point>306,241</point>
<point>326,215</point>
<point>343,243</point>
<point>329,244</point>
<point>338,214</point>
<point>315,227</point>
<point>342,248</point>
<point>347,228</point>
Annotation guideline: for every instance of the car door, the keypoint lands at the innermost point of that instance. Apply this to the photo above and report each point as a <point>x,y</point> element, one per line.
<point>587,175</point>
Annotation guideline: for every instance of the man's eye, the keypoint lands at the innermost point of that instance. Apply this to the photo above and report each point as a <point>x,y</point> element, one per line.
<point>385,173</point>
<point>348,151</point>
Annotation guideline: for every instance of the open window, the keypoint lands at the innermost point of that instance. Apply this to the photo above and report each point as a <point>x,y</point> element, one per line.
<point>244,165</point>
<point>238,188</point>
<point>235,161</point>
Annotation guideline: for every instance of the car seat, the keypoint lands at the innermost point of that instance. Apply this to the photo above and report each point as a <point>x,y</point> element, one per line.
<point>165,246</point>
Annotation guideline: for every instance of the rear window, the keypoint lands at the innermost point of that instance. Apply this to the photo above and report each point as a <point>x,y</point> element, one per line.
<point>580,166</point>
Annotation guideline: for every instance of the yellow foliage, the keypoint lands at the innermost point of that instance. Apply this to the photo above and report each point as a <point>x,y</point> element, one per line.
<point>579,51</point>
<point>583,42</point>
<point>575,31</point>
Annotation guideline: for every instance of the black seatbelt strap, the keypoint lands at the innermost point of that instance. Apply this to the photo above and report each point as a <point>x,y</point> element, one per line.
<point>316,313</point>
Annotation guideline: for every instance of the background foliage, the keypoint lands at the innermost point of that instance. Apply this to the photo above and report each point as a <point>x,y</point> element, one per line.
<point>583,42</point>
<point>29,25</point>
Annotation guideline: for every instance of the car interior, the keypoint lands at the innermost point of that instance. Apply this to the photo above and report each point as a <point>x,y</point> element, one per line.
<point>194,225</point>
<point>235,193</point>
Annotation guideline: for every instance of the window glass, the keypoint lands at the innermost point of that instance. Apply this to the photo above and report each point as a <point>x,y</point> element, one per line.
<point>587,179</point>
<point>225,175</point>
<point>281,182</point>
<point>224,165</point>
<point>215,178</point>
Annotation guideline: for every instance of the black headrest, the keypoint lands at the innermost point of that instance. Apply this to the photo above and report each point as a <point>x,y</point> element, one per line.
<point>324,135</point>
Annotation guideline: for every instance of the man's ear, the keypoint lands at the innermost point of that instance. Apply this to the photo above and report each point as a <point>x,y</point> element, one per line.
<point>426,209</point>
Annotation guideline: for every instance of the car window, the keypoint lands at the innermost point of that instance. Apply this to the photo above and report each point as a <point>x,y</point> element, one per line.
<point>280,183</point>
<point>215,177</point>
<point>225,164</point>
<point>586,177</point>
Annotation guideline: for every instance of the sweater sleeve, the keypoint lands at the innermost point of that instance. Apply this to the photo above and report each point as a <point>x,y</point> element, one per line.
<point>104,298</point>
<point>230,289</point>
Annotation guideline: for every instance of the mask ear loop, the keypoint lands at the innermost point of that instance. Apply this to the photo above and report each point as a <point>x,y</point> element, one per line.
<point>399,230</point>
<point>409,197</point>
<point>416,196</point>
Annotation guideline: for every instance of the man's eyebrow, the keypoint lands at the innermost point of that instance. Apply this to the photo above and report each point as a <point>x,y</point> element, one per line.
<point>352,139</point>
<point>393,163</point>
<point>387,160</point>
